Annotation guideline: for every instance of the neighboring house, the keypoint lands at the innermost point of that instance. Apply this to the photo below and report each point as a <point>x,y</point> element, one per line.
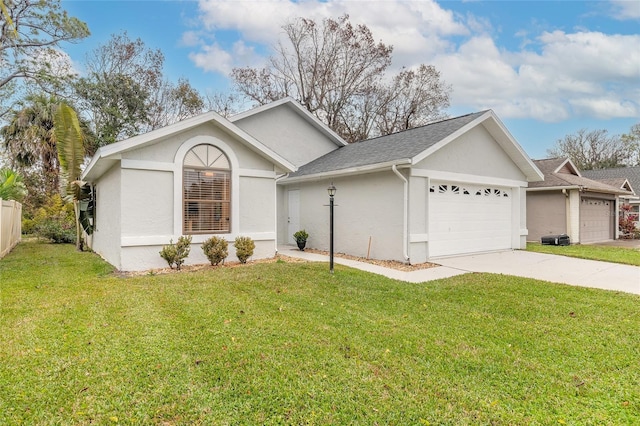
<point>625,178</point>
<point>566,202</point>
<point>452,187</point>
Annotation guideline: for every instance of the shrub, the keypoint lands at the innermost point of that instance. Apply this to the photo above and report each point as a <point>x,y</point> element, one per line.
<point>627,222</point>
<point>244,248</point>
<point>301,235</point>
<point>55,221</point>
<point>216,250</point>
<point>176,253</point>
<point>28,226</point>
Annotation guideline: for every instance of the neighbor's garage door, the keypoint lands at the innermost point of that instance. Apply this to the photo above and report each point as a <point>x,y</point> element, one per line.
<point>468,218</point>
<point>597,220</point>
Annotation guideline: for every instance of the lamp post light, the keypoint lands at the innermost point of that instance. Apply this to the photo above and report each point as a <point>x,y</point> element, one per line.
<point>332,192</point>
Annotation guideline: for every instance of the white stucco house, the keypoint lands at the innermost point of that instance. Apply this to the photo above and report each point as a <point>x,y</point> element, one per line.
<point>451,187</point>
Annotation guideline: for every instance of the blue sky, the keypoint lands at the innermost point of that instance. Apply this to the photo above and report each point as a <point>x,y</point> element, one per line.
<point>547,68</point>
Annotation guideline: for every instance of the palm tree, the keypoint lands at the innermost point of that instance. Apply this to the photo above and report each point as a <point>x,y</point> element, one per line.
<point>70,139</point>
<point>11,185</point>
<point>30,141</point>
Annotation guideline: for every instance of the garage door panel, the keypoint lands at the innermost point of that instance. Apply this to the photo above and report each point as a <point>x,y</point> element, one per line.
<point>596,219</point>
<point>468,218</point>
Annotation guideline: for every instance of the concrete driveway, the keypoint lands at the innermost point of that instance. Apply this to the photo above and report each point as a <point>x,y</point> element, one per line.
<point>549,267</point>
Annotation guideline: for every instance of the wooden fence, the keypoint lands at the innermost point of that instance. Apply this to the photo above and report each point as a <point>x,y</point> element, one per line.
<point>10,225</point>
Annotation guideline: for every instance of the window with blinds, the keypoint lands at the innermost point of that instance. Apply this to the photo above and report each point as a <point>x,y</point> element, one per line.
<point>206,187</point>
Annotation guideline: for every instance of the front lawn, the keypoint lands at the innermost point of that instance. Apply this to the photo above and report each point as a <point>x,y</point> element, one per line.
<point>287,343</point>
<point>623,255</point>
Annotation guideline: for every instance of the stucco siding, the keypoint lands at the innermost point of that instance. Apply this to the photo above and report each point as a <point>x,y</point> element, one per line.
<point>142,258</point>
<point>418,223</point>
<point>164,151</point>
<point>281,210</point>
<point>474,153</point>
<point>147,203</point>
<point>285,132</point>
<point>546,214</point>
<point>257,205</point>
<point>106,235</point>
<point>366,206</point>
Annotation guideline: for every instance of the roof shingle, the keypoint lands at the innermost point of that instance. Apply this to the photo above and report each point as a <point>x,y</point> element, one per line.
<point>632,174</point>
<point>397,146</point>
<point>552,179</point>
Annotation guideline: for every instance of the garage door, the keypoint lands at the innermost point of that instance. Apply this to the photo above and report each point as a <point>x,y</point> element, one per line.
<point>468,218</point>
<point>596,219</point>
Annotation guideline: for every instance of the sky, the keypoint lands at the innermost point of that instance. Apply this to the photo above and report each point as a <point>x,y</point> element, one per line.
<point>546,68</point>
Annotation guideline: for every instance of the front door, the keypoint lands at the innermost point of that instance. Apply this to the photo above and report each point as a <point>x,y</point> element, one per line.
<point>294,215</point>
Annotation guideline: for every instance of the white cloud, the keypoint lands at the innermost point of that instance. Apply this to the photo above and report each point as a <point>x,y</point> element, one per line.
<point>216,59</point>
<point>190,39</point>
<point>552,76</point>
<point>626,9</point>
<point>413,28</point>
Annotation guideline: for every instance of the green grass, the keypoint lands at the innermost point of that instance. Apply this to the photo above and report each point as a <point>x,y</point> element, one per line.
<point>287,343</point>
<point>627,256</point>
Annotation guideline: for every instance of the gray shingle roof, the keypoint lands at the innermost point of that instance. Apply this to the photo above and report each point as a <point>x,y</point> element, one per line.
<point>632,174</point>
<point>397,146</point>
<point>552,179</point>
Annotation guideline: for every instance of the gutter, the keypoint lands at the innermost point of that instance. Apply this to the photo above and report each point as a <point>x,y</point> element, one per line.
<point>344,172</point>
<point>405,227</point>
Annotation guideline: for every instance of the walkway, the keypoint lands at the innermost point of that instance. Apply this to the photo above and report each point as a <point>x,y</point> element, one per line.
<point>547,267</point>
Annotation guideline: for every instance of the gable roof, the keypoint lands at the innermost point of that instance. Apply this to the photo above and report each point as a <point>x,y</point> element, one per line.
<point>561,173</point>
<point>632,174</point>
<point>301,111</point>
<point>411,146</point>
<point>108,155</point>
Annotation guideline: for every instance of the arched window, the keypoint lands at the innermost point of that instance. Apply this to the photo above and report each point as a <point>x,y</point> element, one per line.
<point>206,191</point>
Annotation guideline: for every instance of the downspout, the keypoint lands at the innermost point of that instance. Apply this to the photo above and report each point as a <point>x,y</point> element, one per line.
<point>405,230</point>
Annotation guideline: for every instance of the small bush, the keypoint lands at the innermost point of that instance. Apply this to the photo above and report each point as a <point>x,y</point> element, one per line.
<point>301,235</point>
<point>244,248</point>
<point>627,223</point>
<point>216,250</point>
<point>57,230</point>
<point>175,254</point>
<point>28,226</point>
<point>55,221</point>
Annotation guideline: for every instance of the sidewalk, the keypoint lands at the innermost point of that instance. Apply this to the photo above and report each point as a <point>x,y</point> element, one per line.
<point>547,267</point>
<point>412,277</point>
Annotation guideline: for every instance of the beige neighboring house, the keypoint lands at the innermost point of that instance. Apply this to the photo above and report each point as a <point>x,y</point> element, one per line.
<point>627,178</point>
<point>566,202</point>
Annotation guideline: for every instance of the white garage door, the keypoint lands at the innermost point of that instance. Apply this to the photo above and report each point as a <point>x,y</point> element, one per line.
<point>468,218</point>
<point>596,220</point>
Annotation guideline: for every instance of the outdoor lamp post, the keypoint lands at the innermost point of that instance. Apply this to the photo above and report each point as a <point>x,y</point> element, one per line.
<point>332,191</point>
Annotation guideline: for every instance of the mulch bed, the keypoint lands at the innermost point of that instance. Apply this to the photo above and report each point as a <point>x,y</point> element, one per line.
<point>393,264</point>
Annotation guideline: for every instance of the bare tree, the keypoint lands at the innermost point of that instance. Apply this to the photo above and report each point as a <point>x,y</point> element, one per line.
<point>414,98</point>
<point>30,33</point>
<point>122,76</point>
<point>594,149</point>
<point>170,103</point>
<point>632,141</point>
<point>337,71</point>
<point>225,105</point>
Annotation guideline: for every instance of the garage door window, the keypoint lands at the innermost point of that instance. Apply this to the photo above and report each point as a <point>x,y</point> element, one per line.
<point>461,190</point>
